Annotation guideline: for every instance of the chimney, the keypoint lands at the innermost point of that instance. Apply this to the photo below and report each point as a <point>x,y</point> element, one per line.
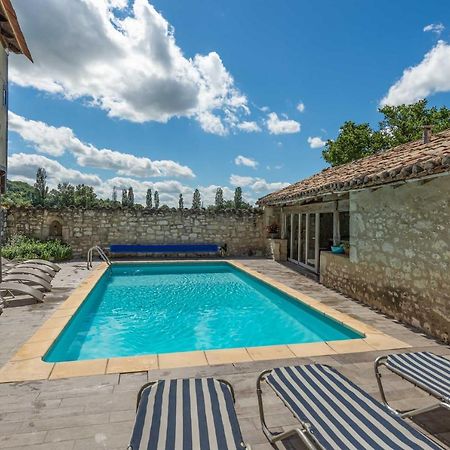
<point>426,134</point>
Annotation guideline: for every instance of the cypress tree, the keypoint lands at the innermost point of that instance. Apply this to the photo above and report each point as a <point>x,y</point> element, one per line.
<point>148,199</point>
<point>238,198</point>
<point>196,200</point>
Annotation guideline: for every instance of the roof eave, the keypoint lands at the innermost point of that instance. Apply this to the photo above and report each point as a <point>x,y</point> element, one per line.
<point>16,41</point>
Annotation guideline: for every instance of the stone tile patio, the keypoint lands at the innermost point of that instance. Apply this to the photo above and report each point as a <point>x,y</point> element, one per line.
<point>97,412</point>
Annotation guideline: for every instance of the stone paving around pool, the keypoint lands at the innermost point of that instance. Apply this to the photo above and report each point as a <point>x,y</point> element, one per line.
<point>97,412</point>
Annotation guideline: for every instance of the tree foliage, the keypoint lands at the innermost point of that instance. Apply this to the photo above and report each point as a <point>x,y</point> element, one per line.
<point>40,188</point>
<point>180,201</point>
<point>149,199</point>
<point>156,199</point>
<point>400,124</point>
<point>130,196</point>
<point>219,198</point>
<point>238,198</point>
<point>196,200</point>
<point>18,193</point>
<point>124,197</point>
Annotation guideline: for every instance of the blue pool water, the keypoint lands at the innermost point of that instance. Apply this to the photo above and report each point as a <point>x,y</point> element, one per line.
<point>138,309</point>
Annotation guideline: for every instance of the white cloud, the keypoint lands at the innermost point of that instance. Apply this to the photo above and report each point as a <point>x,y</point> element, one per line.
<point>301,107</point>
<point>244,161</point>
<point>238,180</point>
<point>55,141</point>
<point>257,184</point>
<point>436,28</point>
<point>122,57</point>
<point>248,126</point>
<point>316,142</point>
<point>24,166</point>
<point>275,125</point>
<point>431,75</point>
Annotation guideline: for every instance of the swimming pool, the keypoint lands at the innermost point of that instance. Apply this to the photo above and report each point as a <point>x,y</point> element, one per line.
<point>138,309</point>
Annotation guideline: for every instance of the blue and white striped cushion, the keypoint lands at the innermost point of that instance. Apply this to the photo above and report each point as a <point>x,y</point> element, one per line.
<point>430,371</point>
<point>186,414</point>
<point>340,414</point>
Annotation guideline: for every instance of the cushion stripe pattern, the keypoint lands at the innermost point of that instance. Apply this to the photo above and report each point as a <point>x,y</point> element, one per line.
<point>339,414</point>
<point>186,414</point>
<point>430,371</point>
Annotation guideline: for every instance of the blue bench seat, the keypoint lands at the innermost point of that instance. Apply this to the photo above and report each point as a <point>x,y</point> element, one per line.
<point>166,248</point>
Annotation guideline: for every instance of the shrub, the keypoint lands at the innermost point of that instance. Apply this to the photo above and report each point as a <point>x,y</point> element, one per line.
<point>22,247</point>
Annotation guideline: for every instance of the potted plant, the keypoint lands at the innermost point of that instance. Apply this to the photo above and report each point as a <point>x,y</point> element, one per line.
<point>272,231</point>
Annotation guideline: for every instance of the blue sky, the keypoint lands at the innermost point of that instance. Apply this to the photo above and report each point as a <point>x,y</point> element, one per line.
<point>173,95</point>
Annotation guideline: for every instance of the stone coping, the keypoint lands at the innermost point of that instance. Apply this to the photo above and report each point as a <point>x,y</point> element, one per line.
<point>27,363</point>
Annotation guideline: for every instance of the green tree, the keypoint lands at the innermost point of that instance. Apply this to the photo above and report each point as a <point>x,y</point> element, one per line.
<point>238,198</point>
<point>63,196</point>
<point>130,196</point>
<point>219,198</point>
<point>18,193</point>
<point>124,197</point>
<point>196,200</point>
<point>85,196</point>
<point>148,199</point>
<point>400,124</point>
<point>156,199</point>
<point>40,188</point>
<point>405,123</point>
<point>353,142</point>
<point>180,201</point>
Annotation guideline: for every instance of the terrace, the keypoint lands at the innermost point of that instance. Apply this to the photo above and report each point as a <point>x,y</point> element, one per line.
<point>97,412</point>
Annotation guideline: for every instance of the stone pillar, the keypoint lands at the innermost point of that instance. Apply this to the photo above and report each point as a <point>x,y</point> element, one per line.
<point>277,249</point>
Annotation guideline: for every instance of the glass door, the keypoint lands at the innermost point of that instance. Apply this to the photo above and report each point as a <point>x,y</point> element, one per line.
<point>294,243</point>
<point>302,232</point>
<point>311,244</point>
<point>302,239</point>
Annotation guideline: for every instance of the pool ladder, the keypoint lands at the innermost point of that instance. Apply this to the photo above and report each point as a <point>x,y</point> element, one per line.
<point>100,252</point>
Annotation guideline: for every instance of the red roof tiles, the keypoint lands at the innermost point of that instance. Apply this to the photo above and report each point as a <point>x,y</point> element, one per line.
<point>407,161</point>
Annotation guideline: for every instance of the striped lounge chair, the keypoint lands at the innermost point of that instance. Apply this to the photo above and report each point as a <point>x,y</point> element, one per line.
<point>186,414</point>
<point>334,413</point>
<point>425,370</point>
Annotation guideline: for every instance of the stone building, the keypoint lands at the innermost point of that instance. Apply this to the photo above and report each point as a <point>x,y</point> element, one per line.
<point>391,212</point>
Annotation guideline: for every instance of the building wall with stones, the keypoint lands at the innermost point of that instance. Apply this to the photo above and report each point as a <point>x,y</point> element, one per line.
<point>399,253</point>
<point>241,230</point>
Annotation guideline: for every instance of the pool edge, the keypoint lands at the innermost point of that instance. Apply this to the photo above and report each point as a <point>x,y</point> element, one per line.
<point>27,363</point>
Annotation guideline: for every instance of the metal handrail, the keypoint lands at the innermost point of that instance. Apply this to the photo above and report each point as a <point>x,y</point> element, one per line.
<point>100,252</point>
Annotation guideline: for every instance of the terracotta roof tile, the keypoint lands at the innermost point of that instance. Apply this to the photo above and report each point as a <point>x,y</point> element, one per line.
<point>10,31</point>
<point>404,162</point>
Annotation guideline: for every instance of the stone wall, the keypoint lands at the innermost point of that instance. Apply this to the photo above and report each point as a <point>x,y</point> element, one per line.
<point>241,230</point>
<point>399,254</point>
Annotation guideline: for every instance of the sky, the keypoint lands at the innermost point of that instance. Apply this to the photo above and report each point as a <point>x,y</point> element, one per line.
<point>174,95</point>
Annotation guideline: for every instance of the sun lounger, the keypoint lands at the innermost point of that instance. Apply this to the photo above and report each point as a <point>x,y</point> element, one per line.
<point>186,414</point>
<point>42,268</point>
<point>37,262</point>
<point>43,262</point>
<point>425,370</point>
<point>10,290</point>
<point>31,280</point>
<point>334,413</point>
<point>24,270</point>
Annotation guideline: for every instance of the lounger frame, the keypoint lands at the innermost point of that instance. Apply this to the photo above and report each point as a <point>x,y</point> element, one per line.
<point>303,432</point>
<point>381,361</point>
